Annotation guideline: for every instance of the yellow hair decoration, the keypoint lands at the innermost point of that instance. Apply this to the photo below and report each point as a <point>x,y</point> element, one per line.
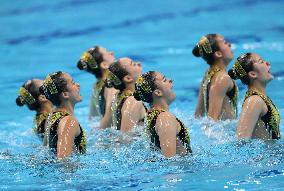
<point>27,96</point>
<point>114,79</point>
<point>205,44</point>
<point>88,59</point>
<point>143,84</point>
<point>238,67</point>
<point>49,84</point>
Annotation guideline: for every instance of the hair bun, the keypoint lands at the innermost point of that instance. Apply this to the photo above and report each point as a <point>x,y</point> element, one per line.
<point>41,90</point>
<point>80,65</point>
<point>233,74</point>
<point>20,101</point>
<point>109,83</point>
<point>195,51</point>
<point>137,96</point>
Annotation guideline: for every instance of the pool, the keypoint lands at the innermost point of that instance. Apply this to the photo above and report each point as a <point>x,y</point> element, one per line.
<point>39,37</point>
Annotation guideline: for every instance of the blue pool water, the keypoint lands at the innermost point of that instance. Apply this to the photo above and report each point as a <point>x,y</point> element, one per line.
<point>39,37</point>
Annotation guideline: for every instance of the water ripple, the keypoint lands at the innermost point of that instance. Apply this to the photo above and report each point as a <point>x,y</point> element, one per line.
<point>90,30</point>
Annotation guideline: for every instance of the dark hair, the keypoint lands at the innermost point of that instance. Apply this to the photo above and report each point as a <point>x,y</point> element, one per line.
<point>54,87</point>
<point>244,62</point>
<point>31,87</point>
<point>208,57</point>
<point>144,87</point>
<point>97,57</point>
<point>116,71</point>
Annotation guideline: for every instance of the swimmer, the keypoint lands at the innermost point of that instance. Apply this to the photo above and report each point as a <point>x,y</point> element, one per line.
<point>127,111</point>
<point>166,131</point>
<point>218,93</point>
<point>96,61</point>
<point>259,117</point>
<point>29,95</point>
<point>63,131</point>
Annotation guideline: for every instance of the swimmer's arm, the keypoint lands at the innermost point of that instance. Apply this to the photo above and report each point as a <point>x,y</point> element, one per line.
<point>44,140</point>
<point>166,127</point>
<point>93,111</point>
<point>68,129</point>
<point>109,96</point>
<point>46,135</point>
<point>130,114</point>
<point>217,94</point>
<point>251,111</point>
<point>199,110</point>
<point>46,132</point>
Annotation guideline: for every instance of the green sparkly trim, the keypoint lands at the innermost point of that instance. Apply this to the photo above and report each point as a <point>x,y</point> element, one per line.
<point>38,121</point>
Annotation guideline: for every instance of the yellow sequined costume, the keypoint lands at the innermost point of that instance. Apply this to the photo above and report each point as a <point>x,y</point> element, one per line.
<point>98,99</point>
<point>206,82</point>
<point>80,142</point>
<point>150,124</point>
<point>39,122</point>
<point>117,106</point>
<point>272,118</point>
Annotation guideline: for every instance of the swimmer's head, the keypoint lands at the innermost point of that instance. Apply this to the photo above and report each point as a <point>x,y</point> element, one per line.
<point>153,85</point>
<point>30,95</point>
<point>59,86</point>
<point>123,71</point>
<point>213,47</point>
<point>54,84</point>
<point>250,66</point>
<point>145,86</point>
<point>96,60</point>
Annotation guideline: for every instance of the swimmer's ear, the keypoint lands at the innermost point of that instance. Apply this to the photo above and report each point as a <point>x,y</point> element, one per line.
<point>127,78</point>
<point>65,95</point>
<point>104,65</point>
<point>218,54</point>
<point>252,74</point>
<point>158,92</point>
<point>42,98</point>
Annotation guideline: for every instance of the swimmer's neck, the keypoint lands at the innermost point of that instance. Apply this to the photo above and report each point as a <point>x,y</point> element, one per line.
<point>105,74</point>
<point>68,107</point>
<point>160,104</point>
<point>258,88</point>
<point>45,108</point>
<point>130,87</point>
<point>220,64</point>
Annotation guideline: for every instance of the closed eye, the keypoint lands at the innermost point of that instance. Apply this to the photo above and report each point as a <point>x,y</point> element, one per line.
<point>261,61</point>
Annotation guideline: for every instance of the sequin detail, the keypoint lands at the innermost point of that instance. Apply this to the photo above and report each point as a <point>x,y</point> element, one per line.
<point>232,94</point>
<point>271,118</point>
<point>150,124</point>
<point>98,97</point>
<point>80,142</point>
<point>117,106</point>
<point>39,122</point>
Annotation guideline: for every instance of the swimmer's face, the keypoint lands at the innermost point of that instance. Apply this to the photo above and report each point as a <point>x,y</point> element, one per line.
<point>108,56</point>
<point>73,89</point>
<point>165,85</point>
<point>225,48</point>
<point>133,69</point>
<point>261,69</point>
